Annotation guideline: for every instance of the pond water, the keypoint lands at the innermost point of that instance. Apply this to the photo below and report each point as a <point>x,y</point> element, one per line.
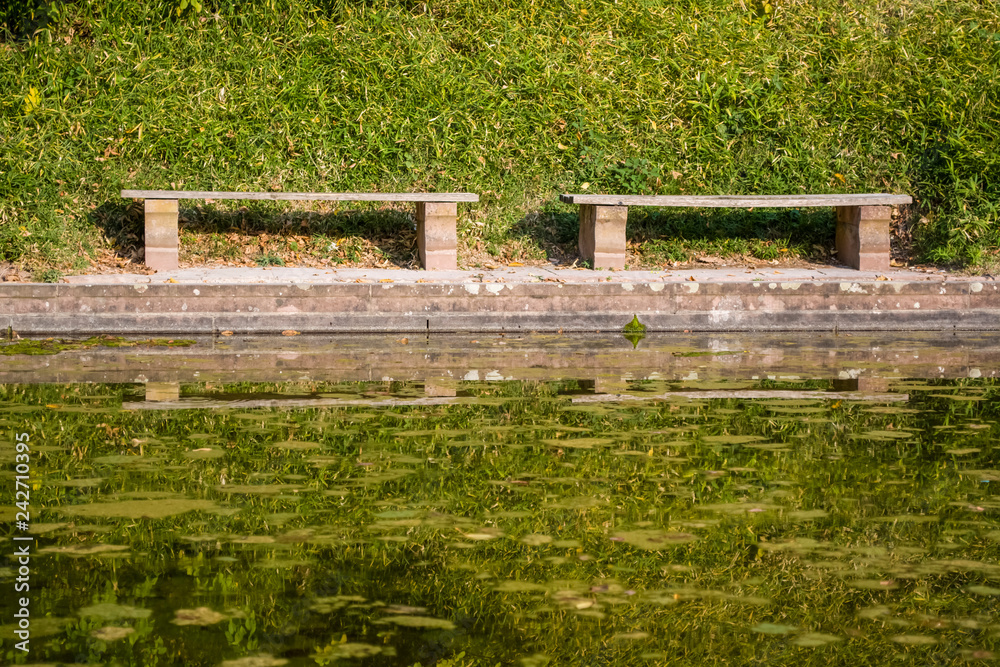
<point>507,523</point>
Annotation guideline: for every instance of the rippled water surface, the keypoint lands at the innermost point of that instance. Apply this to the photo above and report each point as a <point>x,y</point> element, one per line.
<point>495,523</point>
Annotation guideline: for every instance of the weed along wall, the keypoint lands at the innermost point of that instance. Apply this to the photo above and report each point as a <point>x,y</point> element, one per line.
<point>515,101</point>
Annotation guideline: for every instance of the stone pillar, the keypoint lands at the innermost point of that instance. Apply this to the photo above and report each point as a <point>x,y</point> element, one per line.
<point>844,384</point>
<point>873,385</point>
<point>605,385</point>
<point>161,234</point>
<point>602,235</point>
<point>440,387</point>
<point>163,391</point>
<point>862,383</point>
<point>863,236</point>
<point>437,235</point>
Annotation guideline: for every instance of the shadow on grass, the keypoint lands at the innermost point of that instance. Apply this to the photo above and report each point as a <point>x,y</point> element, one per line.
<point>267,235</point>
<point>682,235</point>
<point>121,223</point>
<point>551,228</point>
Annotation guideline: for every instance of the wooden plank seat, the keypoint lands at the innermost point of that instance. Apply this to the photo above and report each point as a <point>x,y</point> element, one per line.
<point>437,235</point>
<point>862,222</point>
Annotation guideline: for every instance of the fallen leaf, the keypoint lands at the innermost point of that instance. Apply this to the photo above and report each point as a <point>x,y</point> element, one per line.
<point>227,333</point>
<point>111,633</point>
<point>692,279</point>
<point>514,264</point>
<point>386,280</point>
<point>289,332</point>
<point>171,280</point>
<point>199,616</point>
<point>404,341</point>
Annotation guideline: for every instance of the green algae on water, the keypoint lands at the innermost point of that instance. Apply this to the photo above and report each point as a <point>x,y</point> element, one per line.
<point>109,611</point>
<point>199,616</point>
<point>44,346</point>
<point>140,509</point>
<point>111,633</point>
<point>422,622</point>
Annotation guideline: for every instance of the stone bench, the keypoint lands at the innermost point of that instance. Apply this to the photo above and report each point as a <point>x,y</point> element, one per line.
<point>862,222</point>
<point>437,236</point>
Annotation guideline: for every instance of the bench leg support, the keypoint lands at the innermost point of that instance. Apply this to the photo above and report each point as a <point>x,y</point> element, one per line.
<point>161,234</point>
<point>163,391</point>
<point>863,236</point>
<point>437,235</point>
<point>602,235</point>
<point>440,388</point>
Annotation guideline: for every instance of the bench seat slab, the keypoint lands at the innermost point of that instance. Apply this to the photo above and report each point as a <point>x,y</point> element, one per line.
<point>602,235</point>
<point>303,196</point>
<point>741,201</point>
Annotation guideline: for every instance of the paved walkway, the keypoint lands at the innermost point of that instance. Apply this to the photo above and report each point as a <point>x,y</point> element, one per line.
<point>517,275</point>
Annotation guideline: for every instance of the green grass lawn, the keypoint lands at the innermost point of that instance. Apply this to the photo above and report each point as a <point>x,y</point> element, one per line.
<point>517,101</point>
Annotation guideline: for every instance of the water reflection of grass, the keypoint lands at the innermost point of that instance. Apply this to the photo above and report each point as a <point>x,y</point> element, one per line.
<point>678,529</point>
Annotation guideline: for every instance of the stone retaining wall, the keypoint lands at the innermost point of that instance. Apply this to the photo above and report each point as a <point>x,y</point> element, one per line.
<point>156,308</point>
